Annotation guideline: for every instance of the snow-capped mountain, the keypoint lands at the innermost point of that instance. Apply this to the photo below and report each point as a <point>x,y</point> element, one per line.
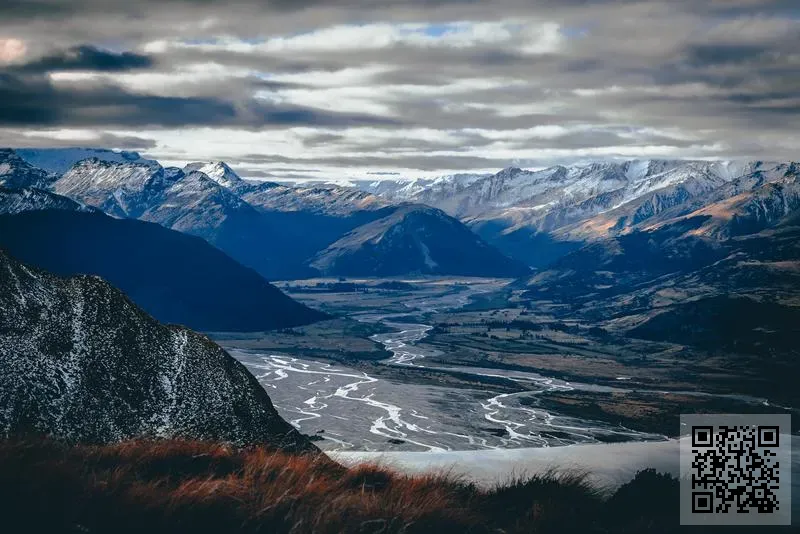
<point>330,200</point>
<point>270,196</point>
<point>219,171</point>
<point>425,190</point>
<point>692,194</point>
<point>739,238</point>
<point>14,201</point>
<point>119,189</point>
<point>18,173</point>
<point>744,206</point>
<point>189,202</point>
<point>195,204</point>
<point>536,216</point>
<point>529,195</point>
<point>275,229</point>
<point>82,363</point>
<point>59,160</point>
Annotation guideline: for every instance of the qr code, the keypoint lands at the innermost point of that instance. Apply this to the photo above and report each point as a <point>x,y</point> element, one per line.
<point>736,469</point>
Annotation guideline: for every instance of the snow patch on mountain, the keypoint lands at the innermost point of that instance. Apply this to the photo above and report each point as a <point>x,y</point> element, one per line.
<point>59,160</point>
<point>219,171</point>
<point>13,201</point>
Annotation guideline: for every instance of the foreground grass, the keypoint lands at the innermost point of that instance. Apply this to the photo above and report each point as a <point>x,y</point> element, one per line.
<point>180,486</point>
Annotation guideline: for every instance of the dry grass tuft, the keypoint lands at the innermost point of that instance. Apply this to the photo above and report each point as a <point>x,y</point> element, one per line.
<point>195,487</point>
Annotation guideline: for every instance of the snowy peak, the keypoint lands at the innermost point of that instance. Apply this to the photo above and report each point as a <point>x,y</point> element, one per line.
<point>120,189</point>
<point>145,191</point>
<point>218,171</point>
<point>59,160</point>
<point>16,172</point>
<point>527,198</point>
<point>13,201</point>
<point>330,200</point>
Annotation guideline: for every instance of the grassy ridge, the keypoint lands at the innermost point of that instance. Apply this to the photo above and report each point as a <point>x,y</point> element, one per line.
<point>195,487</point>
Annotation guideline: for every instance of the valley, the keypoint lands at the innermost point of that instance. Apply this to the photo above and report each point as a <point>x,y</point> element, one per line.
<point>439,364</point>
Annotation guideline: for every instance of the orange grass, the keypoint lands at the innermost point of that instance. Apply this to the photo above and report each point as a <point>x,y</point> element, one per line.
<point>196,487</point>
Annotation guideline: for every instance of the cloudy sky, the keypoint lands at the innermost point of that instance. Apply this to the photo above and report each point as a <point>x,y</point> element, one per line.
<point>337,89</point>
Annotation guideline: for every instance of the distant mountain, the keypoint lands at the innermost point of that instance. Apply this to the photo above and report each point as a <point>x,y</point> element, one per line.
<point>275,235</point>
<point>17,173</point>
<point>529,196</point>
<point>175,277</point>
<point>119,189</point>
<point>280,231</point>
<point>431,191</point>
<point>189,202</point>
<point>323,200</point>
<point>20,200</point>
<point>82,363</point>
<point>414,239</point>
<point>59,160</point>
<point>685,199</point>
<point>219,171</point>
<point>194,204</point>
<point>539,216</point>
<point>283,232</point>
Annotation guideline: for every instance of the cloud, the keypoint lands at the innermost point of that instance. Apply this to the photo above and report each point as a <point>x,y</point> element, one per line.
<point>36,101</point>
<point>348,87</point>
<point>10,137</point>
<point>87,58</point>
<point>522,35</point>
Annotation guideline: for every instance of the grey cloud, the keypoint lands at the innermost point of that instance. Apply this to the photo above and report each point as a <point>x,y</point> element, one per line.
<point>15,139</point>
<point>87,57</point>
<point>122,20</point>
<point>723,54</point>
<point>34,101</point>
<point>743,95</point>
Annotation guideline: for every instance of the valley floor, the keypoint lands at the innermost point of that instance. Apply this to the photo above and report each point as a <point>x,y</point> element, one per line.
<point>440,364</point>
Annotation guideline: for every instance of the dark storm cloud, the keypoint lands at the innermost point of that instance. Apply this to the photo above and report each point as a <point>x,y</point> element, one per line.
<point>35,101</point>
<point>89,58</point>
<point>725,54</point>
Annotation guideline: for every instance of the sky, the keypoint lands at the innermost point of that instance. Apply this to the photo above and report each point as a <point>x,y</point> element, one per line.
<point>344,89</point>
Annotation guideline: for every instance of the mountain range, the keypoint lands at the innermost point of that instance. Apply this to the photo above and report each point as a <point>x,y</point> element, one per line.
<point>82,363</point>
<point>280,231</point>
<point>539,216</point>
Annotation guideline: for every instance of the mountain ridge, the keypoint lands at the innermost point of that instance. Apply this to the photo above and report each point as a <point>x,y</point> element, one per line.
<point>275,229</point>
<point>176,277</point>
<point>82,363</point>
